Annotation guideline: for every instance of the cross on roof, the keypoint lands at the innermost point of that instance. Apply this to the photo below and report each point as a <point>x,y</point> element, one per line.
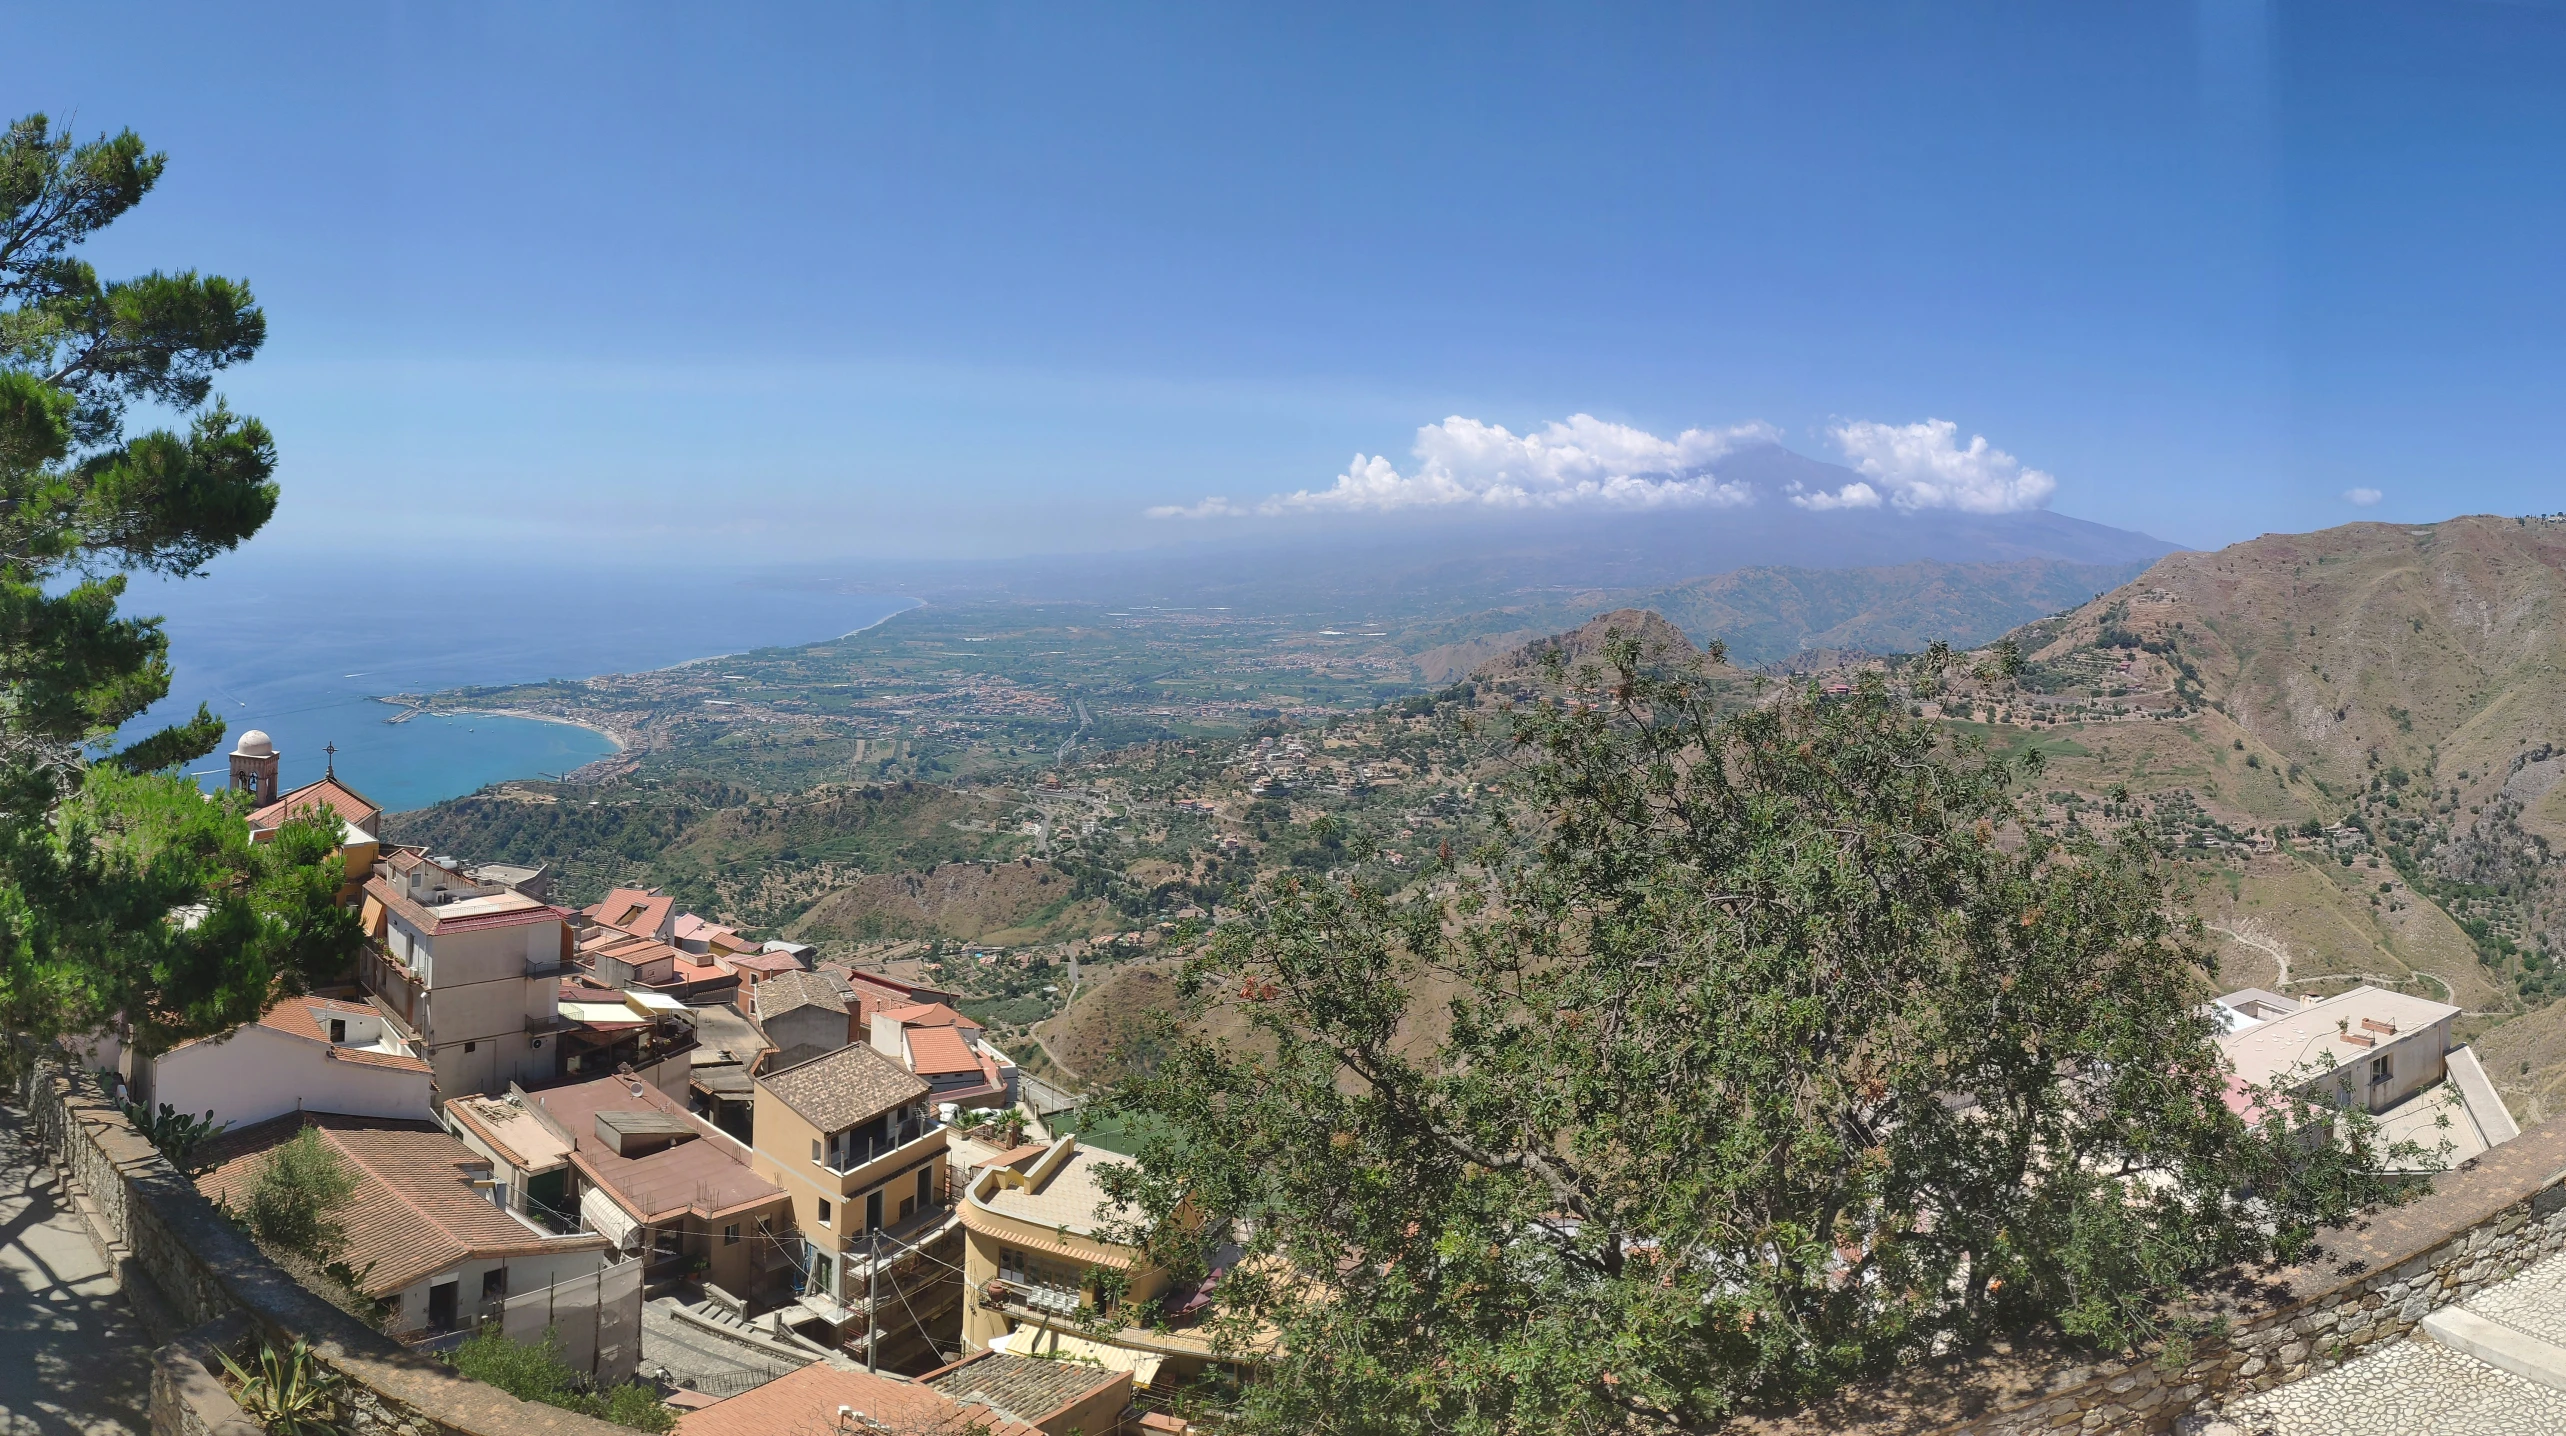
<point>330,765</point>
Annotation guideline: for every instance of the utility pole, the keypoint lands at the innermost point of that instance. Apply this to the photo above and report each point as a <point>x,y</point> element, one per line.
<point>872,1296</point>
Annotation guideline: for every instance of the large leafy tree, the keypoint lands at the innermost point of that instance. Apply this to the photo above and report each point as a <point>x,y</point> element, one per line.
<point>1771,1048</point>
<point>124,895</point>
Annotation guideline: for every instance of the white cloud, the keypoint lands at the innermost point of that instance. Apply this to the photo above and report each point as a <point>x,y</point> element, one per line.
<point>1582,461</point>
<point>1922,466</point>
<point>1855,495</point>
<point>2362,498</point>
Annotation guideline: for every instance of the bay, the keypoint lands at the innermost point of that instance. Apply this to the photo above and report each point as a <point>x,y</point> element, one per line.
<point>302,647</point>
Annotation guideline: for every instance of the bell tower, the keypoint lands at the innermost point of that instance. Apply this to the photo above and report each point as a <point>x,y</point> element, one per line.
<point>254,766</point>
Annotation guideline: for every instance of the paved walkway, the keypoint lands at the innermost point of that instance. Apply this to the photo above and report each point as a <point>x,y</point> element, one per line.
<point>72,1358</point>
<point>2420,1385</point>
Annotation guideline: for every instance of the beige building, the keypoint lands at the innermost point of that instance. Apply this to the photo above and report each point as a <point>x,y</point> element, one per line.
<point>1036,1241</point>
<point>851,1137</point>
<point>472,973</point>
<point>2388,1053</point>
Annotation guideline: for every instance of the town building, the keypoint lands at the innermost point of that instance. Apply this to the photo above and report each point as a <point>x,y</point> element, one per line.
<point>423,1234</point>
<point>950,1051</point>
<point>1038,1236</point>
<point>658,1181</point>
<point>636,912</point>
<point>304,1054</point>
<point>471,973</point>
<point>634,1030</point>
<point>851,1137</point>
<point>803,1010</point>
<point>2388,1053</point>
<point>988,1393</point>
<point>868,992</point>
<point>720,1082</point>
<point>254,765</point>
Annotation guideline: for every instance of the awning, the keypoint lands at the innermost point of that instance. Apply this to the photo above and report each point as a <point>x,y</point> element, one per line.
<point>601,1213</point>
<point>1042,1341</point>
<point>370,918</point>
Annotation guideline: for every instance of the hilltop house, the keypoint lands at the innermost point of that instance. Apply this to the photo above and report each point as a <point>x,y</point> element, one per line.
<point>472,973</point>
<point>304,1054</point>
<point>851,1137</point>
<point>423,1234</point>
<point>950,1051</point>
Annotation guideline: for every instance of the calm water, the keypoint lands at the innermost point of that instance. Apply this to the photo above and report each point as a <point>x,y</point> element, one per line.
<point>301,648</point>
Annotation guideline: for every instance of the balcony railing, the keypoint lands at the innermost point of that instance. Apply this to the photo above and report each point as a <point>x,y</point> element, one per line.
<point>872,1149</point>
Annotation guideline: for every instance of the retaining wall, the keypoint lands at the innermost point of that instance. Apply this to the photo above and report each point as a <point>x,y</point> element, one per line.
<point>207,1288</point>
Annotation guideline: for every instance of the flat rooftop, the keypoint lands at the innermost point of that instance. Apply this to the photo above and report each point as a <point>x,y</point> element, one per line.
<point>2331,1028</point>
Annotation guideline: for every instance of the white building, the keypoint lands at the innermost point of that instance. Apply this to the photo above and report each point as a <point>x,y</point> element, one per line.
<point>307,1054</point>
<point>2388,1053</point>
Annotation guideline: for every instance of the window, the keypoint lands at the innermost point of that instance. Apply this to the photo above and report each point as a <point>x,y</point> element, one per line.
<point>494,1283</point>
<point>873,1211</point>
<point>908,1205</point>
<point>927,1186</point>
<point>1011,1264</point>
<point>2380,1068</point>
<point>731,1235</point>
<point>338,1029</point>
<point>824,1211</point>
<point>815,1149</point>
<point>472,1047</point>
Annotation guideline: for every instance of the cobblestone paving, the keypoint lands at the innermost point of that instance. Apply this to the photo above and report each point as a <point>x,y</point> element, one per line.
<point>2533,1303</point>
<point>2414,1386</point>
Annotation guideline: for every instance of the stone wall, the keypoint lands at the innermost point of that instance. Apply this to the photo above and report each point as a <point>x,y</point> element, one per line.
<point>188,1271</point>
<point>2367,1283</point>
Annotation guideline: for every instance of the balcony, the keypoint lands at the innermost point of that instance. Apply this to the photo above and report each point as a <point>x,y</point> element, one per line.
<point>857,1154</point>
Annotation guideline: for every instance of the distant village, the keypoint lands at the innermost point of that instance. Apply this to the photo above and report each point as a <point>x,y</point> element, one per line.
<point>780,1189</point>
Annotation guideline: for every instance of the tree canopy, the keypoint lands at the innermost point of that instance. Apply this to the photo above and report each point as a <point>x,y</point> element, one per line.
<point>123,894</point>
<point>1768,1050</point>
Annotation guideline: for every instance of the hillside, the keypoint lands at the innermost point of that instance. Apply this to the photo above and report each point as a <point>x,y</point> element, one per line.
<point>1764,614</point>
<point>1005,903</point>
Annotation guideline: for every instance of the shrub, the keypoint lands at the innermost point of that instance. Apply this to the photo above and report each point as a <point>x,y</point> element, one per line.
<point>288,1392</point>
<point>295,1194</point>
<point>537,1373</point>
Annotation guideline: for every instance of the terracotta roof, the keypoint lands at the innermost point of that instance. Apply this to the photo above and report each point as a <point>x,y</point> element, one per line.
<point>301,1017</point>
<point>329,795</point>
<point>415,1211</point>
<point>929,1014</point>
<point>786,991</point>
<point>766,962</point>
<point>635,910</point>
<point>705,1176</point>
<point>939,1052</point>
<point>808,1400</point>
<point>844,1088</point>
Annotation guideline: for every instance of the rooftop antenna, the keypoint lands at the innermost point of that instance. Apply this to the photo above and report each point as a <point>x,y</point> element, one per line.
<point>330,765</point>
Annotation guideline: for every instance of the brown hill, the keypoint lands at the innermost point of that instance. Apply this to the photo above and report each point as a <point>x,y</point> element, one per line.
<point>1009,902</point>
<point>1661,645</point>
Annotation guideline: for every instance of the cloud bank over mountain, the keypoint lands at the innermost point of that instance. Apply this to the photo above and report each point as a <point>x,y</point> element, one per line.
<point>1583,462</point>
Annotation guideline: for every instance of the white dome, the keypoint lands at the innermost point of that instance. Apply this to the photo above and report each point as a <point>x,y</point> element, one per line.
<point>254,744</point>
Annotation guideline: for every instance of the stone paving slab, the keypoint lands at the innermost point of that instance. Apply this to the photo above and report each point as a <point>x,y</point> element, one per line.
<point>73,1362</point>
<point>2533,1303</point>
<point>2412,1388</point>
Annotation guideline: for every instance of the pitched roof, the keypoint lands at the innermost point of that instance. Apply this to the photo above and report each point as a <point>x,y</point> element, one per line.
<point>808,1400</point>
<point>765,962</point>
<point>415,1211</point>
<point>929,1014</point>
<point>939,1052</point>
<point>1028,1388</point>
<point>301,1018</point>
<point>327,795</point>
<point>635,910</point>
<point>505,908</point>
<point>844,1088</point>
<point>786,991</point>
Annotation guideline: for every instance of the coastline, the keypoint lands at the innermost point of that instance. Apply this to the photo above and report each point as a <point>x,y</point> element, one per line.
<point>914,605</point>
<point>622,741</point>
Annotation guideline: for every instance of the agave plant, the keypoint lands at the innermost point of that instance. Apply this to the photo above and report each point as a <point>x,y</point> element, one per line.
<point>289,1392</point>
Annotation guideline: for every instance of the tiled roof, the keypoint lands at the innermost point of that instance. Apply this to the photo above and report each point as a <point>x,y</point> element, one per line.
<point>515,1132</point>
<point>786,991</point>
<point>634,910</point>
<point>939,1052</point>
<point>705,1176</point>
<point>415,1211</point>
<point>499,909</point>
<point>766,962</point>
<point>1025,1387</point>
<point>328,795</point>
<point>929,1014</point>
<point>301,1017</point>
<point>845,1087</point>
<point>808,1400</point>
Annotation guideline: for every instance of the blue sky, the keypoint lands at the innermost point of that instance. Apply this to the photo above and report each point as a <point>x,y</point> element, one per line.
<point>945,279</point>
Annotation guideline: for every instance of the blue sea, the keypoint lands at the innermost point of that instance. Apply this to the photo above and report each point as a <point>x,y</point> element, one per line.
<point>303,647</point>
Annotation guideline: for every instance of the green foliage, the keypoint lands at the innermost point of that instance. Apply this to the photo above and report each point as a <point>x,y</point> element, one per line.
<point>1776,1051</point>
<point>536,1373</point>
<point>96,856</point>
<point>176,1134</point>
<point>289,1392</point>
<point>295,1193</point>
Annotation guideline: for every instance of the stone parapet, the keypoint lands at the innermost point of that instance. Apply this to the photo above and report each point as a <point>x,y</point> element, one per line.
<point>180,1257</point>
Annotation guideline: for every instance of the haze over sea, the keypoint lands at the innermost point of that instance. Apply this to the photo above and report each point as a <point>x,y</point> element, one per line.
<point>303,647</point>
